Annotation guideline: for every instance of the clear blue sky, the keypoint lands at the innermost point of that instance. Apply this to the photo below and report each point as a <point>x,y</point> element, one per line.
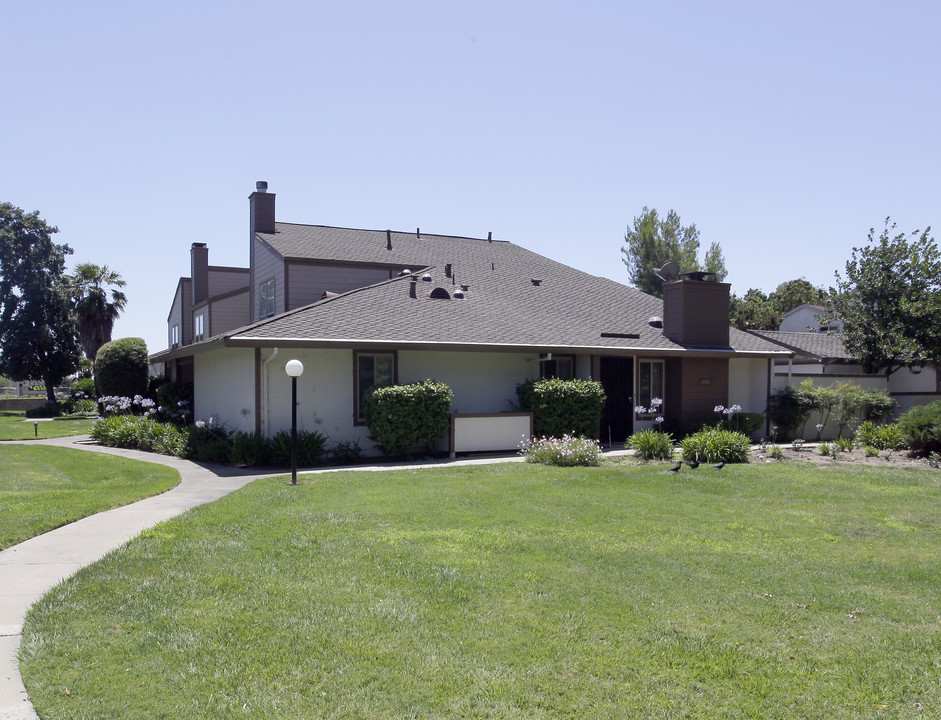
<point>783,130</point>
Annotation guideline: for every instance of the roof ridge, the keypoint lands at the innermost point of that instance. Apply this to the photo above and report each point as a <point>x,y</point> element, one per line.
<point>398,232</point>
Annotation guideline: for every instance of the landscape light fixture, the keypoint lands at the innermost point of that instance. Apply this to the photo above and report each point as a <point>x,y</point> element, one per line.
<point>294,369</point>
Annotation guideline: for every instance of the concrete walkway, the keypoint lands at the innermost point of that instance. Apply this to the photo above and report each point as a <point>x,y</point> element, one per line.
<point>32,568</point>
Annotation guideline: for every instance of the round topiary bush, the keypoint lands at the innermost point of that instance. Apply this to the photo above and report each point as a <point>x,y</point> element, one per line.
<point>121,368</point>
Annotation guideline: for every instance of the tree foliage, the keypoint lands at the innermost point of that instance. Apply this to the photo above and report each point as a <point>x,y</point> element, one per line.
<point>122,368</point>
<point>95,313</point>
<point>757,311</point>
<point>652,241</point>
<point>37,331</point>
<point>890,301</point>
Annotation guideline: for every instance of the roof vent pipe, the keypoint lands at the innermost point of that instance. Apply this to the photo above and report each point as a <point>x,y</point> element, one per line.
<point>388,239</point>
<point>261,186</point>
<point>447,270</point>
<point>411,287</point>
<point>490,237</point>
<point>418,233</point>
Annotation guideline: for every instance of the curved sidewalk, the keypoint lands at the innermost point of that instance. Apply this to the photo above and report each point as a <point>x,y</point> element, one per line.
<point>32,568</point>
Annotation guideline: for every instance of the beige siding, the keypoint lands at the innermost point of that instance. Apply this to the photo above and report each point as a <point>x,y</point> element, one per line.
<point>180,313</point>
<point>229,313</point>
<point>307,283</point>
<point>268,264</point>
<point>224,280</point>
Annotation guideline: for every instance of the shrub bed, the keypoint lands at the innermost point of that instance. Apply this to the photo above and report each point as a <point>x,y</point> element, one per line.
<point>566,451</point>
<point>715,445</point>
<point>651,445</point>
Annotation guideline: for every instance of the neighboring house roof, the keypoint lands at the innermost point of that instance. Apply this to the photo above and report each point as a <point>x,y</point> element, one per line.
<point>515,299</point>
<point>820,347</point>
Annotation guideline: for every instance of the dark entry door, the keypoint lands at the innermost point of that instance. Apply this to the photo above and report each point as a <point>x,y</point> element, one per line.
<point>617,379</point>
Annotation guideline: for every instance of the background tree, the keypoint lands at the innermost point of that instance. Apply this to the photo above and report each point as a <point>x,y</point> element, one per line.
<point>757,311</point>
<point>652,241</point>
<point>890,301</point>
<point>94,312</point>
<point>37,333</point>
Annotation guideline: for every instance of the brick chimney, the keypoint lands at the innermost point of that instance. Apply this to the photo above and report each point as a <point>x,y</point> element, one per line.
<point>696,311</point>
<point>199,272</point>
<point>262,209</point>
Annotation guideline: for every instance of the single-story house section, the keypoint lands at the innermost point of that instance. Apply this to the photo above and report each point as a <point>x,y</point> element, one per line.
<point>822,358</point>
<point>375,307</point>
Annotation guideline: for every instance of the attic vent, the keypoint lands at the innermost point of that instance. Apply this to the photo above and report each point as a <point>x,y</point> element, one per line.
<point>627,336</point>
<point>328,294</point>
<point>439,293</point>
<point>536,282</point>
<point>699,275</point>
<point>655,321</point>
<point>426,277</point>
<point>406,271</point>
<point>458,294</point>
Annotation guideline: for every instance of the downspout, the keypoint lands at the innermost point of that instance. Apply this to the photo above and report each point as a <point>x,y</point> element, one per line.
<point>264,392</point>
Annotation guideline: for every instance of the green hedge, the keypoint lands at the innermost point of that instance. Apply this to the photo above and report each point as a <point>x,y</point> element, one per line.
<point>921,427</point>
<point>563,407</point>
<point>121,368</point>
<point>400,417</point>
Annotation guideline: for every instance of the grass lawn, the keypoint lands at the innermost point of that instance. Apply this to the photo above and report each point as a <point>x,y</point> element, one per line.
<point>514,591</point>
<point>16,426</point>
<point>42,488</point>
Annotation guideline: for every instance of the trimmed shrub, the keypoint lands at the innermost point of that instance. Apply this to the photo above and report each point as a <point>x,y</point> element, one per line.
<point>121,368</point>
<point>715,445</point>
<point>567,451</point>
<point>651,445</point>
<point>921,427</point>
<point>310,448</point>
<point>139,433</point>
<point>400,417</point>
<point>788,410</point>
<point>563,407</point>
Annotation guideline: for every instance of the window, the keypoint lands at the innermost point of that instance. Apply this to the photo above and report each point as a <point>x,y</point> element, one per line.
<point>175,336</point>
<point>371,369</point>
<point>199,326</point>
<point>649,383</point>
<point>266,299</point>
<point>559,366</point>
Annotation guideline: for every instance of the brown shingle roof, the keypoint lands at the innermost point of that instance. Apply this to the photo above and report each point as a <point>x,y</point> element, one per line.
<point>818,346</point>
<point>502,307</point>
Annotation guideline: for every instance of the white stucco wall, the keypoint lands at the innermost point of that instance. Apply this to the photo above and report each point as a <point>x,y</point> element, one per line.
<point>748,384</point>
<point>481,382</point>
<point>224,385</point>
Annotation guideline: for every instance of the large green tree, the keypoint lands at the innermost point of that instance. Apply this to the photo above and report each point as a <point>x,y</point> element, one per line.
<point>95,312</point>
<point>757,311</point>
<point>890,301</point>
<point>651,241</point>
<point>38,339</point>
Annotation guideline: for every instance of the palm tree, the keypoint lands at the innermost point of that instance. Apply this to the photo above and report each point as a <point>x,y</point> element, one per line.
<point>94,313</point>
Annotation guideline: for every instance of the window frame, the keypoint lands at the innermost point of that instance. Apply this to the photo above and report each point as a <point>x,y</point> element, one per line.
<point>266,299</point>
<point>358,418</point>
<point>199,326</point>
<point>640,400</point>
<point>174,336</point>
<point>545,364</point>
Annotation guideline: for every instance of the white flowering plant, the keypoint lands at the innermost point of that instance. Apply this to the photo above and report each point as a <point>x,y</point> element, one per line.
<point>566,451</point>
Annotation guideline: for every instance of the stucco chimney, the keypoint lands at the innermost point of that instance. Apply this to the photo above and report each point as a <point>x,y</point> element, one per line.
<point>696,312</point>
<point>199,272</point>
<point>261,203</point>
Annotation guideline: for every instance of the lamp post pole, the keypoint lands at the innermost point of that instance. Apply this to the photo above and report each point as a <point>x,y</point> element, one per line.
<point>294,369</point>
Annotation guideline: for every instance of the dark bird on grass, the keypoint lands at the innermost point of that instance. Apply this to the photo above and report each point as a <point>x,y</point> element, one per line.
<point>693,463</point>
<point>676,467</point>
<point>719,466</point>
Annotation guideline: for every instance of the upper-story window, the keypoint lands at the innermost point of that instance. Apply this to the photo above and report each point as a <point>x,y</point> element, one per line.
<point>199,326</point>
<point>266,299</point>
<point>175,336</point>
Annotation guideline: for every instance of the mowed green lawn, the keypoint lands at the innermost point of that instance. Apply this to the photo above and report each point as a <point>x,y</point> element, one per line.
<point>16,426</point>
<point>42,488</point>
<point>514,591</point>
